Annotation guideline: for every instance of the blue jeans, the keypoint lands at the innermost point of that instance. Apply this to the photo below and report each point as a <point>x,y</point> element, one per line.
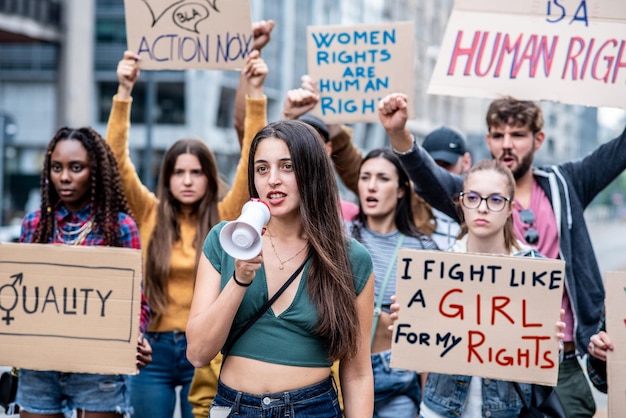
<point>49,392</point>
<point>153,390</point>
<point>318,400</point>
<point>396,391</point>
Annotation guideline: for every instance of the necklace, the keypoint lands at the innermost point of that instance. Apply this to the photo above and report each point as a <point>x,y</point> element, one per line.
<point>75,237</point>
<point>282,263</point>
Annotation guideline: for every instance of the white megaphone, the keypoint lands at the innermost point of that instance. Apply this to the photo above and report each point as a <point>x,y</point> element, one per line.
<point>241,239</point>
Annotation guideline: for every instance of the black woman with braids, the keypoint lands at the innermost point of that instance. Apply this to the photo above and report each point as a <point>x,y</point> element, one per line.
<point>82,203</point>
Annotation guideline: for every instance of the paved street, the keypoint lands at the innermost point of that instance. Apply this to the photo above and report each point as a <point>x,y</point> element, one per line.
<point>609,241</point>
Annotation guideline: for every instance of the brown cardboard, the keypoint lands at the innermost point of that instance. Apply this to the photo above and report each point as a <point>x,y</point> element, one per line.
<point>615,286</point>
<point>447,323</point>
<point>357,65</point>
<point>572,52</point>
<point>86,315</point>
<point>179,34</point>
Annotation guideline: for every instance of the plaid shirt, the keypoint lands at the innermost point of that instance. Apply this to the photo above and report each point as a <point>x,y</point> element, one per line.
<point>129,237</point>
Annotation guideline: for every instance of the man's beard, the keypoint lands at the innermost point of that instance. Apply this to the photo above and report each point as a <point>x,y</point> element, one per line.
<point>522,168</point>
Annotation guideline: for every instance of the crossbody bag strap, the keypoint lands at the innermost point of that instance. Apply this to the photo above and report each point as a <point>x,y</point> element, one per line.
<point>263,309</point>
<point>520,393</point>
<point>381,295</point>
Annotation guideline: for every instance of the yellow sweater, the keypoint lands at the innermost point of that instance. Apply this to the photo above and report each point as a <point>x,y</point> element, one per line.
<point>144,206</point>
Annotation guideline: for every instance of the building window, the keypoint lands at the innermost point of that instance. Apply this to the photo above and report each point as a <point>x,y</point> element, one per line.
<point>169,108</point>
<point>226,112</point>
<point>111,31</point>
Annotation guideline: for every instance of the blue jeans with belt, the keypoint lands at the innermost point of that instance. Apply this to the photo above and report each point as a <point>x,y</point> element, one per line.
<point>317,400</point>
<point>396,392</point>
<point>153,390</point>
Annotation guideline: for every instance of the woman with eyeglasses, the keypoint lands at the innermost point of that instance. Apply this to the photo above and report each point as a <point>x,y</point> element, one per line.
<point>486,205</point>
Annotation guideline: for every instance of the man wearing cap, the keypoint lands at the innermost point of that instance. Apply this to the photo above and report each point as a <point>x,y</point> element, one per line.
<point>449,150</point>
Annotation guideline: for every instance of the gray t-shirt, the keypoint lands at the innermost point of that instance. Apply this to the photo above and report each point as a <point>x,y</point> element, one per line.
<point>382,248</point>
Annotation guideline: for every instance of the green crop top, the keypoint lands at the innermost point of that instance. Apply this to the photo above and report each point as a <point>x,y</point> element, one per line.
<point>289,338</point>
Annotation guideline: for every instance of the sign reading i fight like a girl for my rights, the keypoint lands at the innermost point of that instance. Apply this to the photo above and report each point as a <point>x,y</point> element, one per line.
<point>478,315</point>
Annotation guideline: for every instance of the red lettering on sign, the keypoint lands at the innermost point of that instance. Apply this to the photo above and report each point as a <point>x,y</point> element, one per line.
<point>536,356</point>
<point>527,324</point>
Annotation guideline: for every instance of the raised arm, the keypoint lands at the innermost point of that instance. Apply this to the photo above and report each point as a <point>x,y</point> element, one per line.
<point>345,155</point>
<point>140,199</point>
<point>256,118</point>
<point>298,102</point>
<point>433,183</point>
<point>586,176</point>
<point>261,35</point>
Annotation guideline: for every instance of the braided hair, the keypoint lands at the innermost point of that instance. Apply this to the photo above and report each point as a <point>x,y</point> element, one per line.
<point>107,197</point>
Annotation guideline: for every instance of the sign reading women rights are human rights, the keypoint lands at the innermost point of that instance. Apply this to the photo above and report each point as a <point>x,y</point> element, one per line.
<point>184,34</point>
<point>478,315</point>
<point>355,66</point>
<point>570,51</point>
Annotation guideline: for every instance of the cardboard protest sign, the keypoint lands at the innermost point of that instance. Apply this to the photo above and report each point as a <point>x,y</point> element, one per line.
<point>478,315</point>
<point>570,51</point>
<point>70,308</point>
<point>183,34</point>
<point>355,66</point>
<point>615,286</point>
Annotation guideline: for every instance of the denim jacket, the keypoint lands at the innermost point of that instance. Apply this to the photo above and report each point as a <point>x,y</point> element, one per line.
<point>446,394</point>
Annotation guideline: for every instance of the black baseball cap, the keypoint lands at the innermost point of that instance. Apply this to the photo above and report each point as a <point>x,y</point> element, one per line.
<point>316,123</point>
<point>445,144</point>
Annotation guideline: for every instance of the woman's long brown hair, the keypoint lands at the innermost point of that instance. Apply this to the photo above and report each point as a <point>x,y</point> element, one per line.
<point>167,229</point>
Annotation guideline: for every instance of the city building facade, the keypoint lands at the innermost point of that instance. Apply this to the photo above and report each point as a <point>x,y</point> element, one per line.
<point>58,69</point>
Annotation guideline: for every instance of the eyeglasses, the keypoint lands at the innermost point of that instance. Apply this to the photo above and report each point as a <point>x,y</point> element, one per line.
<point>530,235</point>
<point>495,202</point>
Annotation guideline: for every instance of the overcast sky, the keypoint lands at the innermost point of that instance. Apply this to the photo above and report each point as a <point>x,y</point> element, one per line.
<point>611,117</point>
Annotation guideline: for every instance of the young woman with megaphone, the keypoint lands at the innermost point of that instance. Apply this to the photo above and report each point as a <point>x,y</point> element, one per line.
<point>281,363</point>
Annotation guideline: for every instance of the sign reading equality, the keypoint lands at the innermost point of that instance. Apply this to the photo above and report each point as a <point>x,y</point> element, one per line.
<point>570,51</point>
<point>184,34</point>
<point>355,66</point>
<point>478,315</point>
<point>70,308</point>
